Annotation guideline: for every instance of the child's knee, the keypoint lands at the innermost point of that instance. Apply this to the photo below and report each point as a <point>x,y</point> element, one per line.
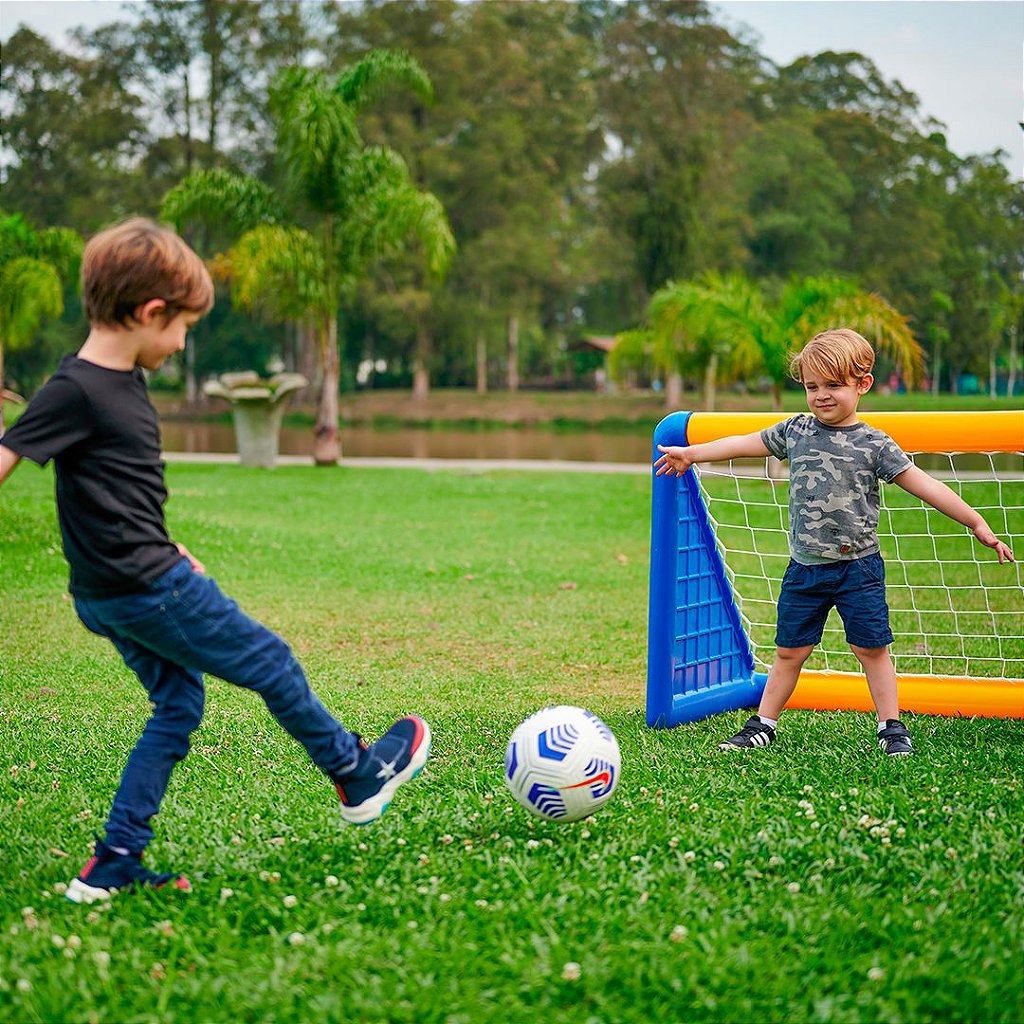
<point>870,654</point>
<point>794,655</point>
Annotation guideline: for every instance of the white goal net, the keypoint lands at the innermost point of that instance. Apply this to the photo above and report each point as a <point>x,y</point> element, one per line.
<point>955,611</point>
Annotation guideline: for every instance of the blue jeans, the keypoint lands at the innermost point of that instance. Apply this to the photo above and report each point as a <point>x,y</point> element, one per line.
<point>169,634</point>
<point>856,588</point>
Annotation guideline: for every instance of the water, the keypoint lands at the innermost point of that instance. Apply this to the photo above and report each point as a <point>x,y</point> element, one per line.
<point>425,443</point>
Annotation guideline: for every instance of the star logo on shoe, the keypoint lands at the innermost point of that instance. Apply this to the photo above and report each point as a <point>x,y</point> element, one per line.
<point>387,769</point>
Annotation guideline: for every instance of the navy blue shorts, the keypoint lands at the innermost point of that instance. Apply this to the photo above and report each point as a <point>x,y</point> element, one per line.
<point>856,588</point>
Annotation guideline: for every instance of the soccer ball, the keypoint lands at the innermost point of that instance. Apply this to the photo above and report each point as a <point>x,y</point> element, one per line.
<point>562,763</point>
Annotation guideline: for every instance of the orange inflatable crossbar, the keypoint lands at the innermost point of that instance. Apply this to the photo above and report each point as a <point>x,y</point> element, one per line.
<point>912,431</point>
<point>929,695</point>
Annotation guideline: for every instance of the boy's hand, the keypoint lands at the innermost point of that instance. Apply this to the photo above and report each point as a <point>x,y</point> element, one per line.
<point>198,566</point>
<point>984,533</point>
<point>674,460</point>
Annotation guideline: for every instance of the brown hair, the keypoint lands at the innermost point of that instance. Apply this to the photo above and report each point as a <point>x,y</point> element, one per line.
<point>839,354</point>
<point>128,265</point>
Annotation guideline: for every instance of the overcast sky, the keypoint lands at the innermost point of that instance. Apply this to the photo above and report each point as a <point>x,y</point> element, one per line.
<point>963,58</point>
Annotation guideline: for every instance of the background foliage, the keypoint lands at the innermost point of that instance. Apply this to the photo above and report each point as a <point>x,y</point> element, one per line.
<point>587,155</point>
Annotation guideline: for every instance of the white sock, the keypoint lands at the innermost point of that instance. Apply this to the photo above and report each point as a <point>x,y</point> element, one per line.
<point>773,722</point>
<point>881,726</point>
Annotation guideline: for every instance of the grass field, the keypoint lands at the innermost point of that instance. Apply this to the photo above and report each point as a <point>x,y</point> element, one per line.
<point>815,881</point>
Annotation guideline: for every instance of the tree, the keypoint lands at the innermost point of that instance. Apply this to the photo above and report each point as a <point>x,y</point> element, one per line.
<point>358,201</point>
<point>731,326</point>
<point>34,268</point>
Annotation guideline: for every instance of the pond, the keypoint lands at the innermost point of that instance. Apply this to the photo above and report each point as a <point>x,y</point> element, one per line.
<point>427,443</point>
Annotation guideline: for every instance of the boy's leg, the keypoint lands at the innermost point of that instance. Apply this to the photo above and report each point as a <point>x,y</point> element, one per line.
<point>225,642</point>
<point>759,730</point>
<point>865,614</point>
<point>177,697</point>
<point>782,679</point>
<point>881,677</point>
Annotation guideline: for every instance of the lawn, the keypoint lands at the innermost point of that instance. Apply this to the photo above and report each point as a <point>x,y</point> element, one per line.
<point>815,881</point>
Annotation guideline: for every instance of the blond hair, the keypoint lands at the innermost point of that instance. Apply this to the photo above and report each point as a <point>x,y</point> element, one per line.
<point>128,265</point>
<point>840,355</point>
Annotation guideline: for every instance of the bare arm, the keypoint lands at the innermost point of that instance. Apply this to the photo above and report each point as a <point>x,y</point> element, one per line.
<point>677,459</point>
<point>8,460</point>
<point>949,503</point>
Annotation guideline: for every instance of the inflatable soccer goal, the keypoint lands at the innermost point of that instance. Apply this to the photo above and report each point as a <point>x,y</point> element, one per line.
<point>719,549</point>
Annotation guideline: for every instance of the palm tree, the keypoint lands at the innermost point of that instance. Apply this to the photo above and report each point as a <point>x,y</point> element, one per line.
<point>35,266</point>
<point>731,328</point>
<point>349,205</point>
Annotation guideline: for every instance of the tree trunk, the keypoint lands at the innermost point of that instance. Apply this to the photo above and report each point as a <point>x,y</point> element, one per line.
<point>710,382</point>
<point>1,390</point>
<point>421,361</point>
<point>776,396</point>
<point>936,367</point>
<point>992,384</point>
<point>481,361</point>
<point>1011,379</point>
<point>513,352</point>
<point>673,390</point>
<point>191,388</point>
<point>326,438</point>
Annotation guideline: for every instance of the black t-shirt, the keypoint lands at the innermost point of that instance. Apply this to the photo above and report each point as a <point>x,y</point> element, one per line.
<point>101,430</point>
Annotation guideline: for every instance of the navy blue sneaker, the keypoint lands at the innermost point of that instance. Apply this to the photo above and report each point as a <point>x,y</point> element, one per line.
<point>894,739</point>
<point>397,757</point>
<point>108,873</point>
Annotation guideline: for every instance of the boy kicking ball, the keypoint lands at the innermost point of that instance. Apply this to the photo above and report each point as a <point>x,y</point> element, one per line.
<point>143,288</point>
<point>835,464</point>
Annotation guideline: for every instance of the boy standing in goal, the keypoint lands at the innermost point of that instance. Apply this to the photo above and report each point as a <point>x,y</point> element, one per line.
<point>835,464</point>
<point>143,288</point>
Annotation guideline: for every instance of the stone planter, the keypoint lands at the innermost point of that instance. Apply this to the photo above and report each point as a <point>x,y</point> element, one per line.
<point>257,408</point>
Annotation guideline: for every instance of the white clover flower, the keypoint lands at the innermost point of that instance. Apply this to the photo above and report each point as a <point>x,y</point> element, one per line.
<point>74,942</point>
<point>290,901</point>
<point>24,985</point>
<point>101,958</point>
<point>793,887</point>
<point>571,971</point>
<point>876,974</point>
<point>331,881</point>
<point>689,856</point>
<point>775,861</point>
<point>719,865</point>
<point>679,933</point>
<point>532,844</point>
<point>400,841</point>
<point>296,938</point>
<point>58,941</point>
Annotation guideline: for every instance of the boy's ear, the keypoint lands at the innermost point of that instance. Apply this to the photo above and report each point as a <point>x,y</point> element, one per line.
<point>146,313</point>
<point>864,385</point>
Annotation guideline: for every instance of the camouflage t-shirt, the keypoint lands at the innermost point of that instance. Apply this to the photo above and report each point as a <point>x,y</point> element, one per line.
<point>833,485</point>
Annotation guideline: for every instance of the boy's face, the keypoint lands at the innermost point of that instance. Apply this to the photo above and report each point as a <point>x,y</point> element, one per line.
<point>834,402</point>
<point>164,339</point>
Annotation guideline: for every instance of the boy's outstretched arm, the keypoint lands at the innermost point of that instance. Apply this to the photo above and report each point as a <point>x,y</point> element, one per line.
<point>8,460</point>
<point>948,502</point>
<point>678,459</point>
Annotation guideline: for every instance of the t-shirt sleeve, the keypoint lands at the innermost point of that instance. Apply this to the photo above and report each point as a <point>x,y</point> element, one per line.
<point>891,461</point>
<point>56,418</point>
<point>775,439</point>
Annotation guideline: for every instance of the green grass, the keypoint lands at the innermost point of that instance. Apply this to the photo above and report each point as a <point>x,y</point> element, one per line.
<point>814,881</point>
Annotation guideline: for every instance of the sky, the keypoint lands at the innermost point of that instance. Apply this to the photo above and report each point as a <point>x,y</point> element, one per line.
<point>963,58</point>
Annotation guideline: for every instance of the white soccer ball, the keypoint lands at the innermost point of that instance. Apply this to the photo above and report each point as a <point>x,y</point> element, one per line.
<point>562,763</point>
